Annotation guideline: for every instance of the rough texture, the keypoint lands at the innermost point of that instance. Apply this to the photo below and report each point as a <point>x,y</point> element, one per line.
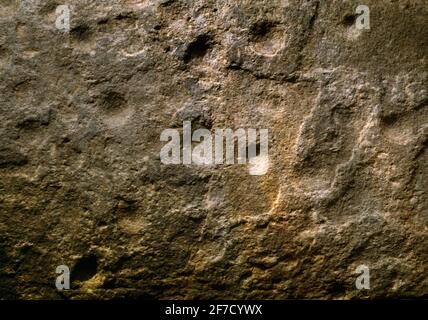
<point>82,184</point>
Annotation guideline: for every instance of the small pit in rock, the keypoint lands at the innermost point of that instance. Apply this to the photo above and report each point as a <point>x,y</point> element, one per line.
<point>198,48</point>
<point>349,20</point>
<point>85,268</point>
<point>81,32</point>
<point>112,101</point>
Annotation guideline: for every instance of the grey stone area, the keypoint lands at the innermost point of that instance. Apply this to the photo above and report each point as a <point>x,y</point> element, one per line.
<point>82,184</point>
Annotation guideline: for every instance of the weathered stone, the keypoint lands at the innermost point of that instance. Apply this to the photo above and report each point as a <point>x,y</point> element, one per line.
<point>82,183</point>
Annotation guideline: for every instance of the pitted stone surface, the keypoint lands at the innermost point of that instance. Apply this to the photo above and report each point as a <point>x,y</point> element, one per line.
<point>82,184</point>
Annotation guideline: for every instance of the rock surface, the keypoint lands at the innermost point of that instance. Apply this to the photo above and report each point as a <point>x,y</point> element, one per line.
<point>82,184</point>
